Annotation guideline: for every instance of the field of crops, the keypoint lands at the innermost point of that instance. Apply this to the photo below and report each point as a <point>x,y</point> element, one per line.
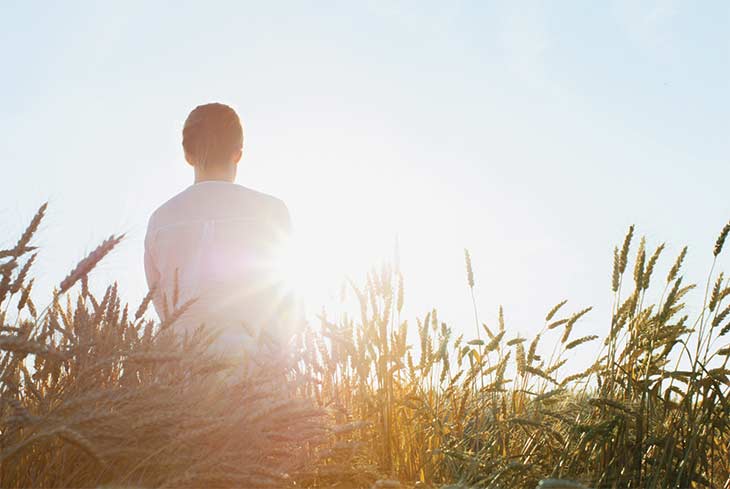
<point>96,394</point>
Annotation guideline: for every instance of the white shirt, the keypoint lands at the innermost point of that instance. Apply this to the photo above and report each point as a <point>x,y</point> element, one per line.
<point>222,241</point>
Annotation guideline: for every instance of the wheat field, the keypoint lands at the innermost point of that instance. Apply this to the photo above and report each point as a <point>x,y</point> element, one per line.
<point>94,394</point>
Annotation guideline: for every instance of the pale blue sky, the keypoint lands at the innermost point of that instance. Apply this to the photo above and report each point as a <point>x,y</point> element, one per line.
<point>533,133</point>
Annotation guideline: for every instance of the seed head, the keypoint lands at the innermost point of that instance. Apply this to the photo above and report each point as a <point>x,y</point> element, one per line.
<point>88,263</point>
<point>721,239</point>
<point>677,265</point>
<point>624,257</point>
<point>469,271</point>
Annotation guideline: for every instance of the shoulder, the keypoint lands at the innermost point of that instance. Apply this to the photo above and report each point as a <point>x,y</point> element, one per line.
<point>180,207</point>
<point>158,215</point>
<point>273,205</point>
<point>257,195</point>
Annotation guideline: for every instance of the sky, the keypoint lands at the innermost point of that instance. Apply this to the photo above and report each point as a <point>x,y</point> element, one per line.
<point>531,133</point>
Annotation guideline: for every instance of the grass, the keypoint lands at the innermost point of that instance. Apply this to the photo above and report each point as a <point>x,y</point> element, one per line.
<point>95,395</point>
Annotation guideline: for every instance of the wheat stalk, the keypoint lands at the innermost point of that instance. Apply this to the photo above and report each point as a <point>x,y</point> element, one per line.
<point>89,262</point>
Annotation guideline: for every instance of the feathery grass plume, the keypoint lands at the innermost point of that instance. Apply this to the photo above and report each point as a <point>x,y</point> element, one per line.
<point>520,358</point>
<point>721,316</point>
<point>85,286</point>
<point>580,341</point>
<point>6,269</point>
<point>650,266</point>
<point>566,332</point>
<point>30,230</point>
<point>677,265</point>
<point>540,373</point>
<point>501,368</point>
<point>721,239</point>
<point>531,354</point>
<point>557,323</point>
<point>87,264</point>
<point>725,329</point>
<point>469,271</point>
<point>665,313</point>
<point>16,253</point>
<point>624,257</point>
<point>639,264</point>
<point>31,307</point>
<point>25,295</point>
<point>556,366</point>
<point>581,375</point>
<point>494,343</point>
<point>145,303</point>
<point>555,309</point>
<point>22,274</point>
<point>446,365</point>
<point>616,274</point>
<point>722,296</point>
<point>571,322</point>
<point>470,281</point>
<point>715,295</point>
<point>457,342</point>
<point>490,335</point>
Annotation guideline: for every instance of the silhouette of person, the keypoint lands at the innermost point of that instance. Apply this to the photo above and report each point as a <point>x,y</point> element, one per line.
<point>219,242</point>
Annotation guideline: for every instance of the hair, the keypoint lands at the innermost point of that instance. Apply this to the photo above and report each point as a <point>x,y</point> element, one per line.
<point>212,132</point>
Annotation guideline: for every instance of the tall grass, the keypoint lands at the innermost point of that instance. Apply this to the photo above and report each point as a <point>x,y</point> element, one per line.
<point>93,394</point>
<point>651,411</point>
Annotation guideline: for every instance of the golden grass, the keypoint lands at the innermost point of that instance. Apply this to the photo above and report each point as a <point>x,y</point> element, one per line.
<point>92,395</point>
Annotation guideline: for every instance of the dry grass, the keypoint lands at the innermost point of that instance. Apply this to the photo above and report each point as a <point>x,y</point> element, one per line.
<point>92,395</point>
<point>650,412</point>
